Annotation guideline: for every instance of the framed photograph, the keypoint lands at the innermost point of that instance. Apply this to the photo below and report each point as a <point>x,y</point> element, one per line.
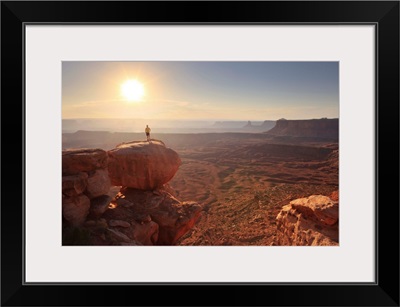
<point>238,146</point>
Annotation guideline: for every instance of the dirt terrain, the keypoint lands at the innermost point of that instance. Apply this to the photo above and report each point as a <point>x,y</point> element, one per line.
<point>242,179</point>
<point>245,184</point>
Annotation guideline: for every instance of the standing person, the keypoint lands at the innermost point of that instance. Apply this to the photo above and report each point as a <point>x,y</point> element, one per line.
<point>147,130</point>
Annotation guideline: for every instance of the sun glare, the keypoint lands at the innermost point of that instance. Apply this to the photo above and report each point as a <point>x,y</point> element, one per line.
<point>132,90</point>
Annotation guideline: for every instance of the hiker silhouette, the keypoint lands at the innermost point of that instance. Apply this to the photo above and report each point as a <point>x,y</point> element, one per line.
<point>147,131</point>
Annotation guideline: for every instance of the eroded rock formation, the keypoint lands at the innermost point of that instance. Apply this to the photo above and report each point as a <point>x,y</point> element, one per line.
<point>309,221</point>
<point>151,217</point>
<point>83,160</point>
<point>142,165</point>
<point>142,211</point>
<point>84,180</point>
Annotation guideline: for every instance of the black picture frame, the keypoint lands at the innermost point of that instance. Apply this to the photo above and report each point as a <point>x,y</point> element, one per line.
<point>383,14</point>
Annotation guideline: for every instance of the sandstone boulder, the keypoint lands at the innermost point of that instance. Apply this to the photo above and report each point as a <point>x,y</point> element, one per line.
<point>119,223</point>
<point>173,217</point>
<point>142,165</point>
<point>309,221</point>
<point>324,209</point>
<point>83,160</point>
<point>99,205</point>
<point>98,184</point>
<point>84,176</point>
<point>119,236</point>
<point>73,185</point>
<point>130,223</point>
<point>145,233</point>
<point>335,196</point>
<point>75,209</point>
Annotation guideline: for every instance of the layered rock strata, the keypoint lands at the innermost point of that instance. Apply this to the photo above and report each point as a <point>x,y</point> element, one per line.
<point>85,183</point>
<point>309,221</point>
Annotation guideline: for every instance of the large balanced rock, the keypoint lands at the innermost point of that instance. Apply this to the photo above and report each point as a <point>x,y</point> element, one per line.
<point>142,165</point>
<point>309,221</point>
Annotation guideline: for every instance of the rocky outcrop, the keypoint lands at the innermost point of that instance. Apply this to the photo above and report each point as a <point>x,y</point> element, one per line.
<point>129,223</point>
<point>314,128</point>
<point>98,183</point>
<point>83,160</point>
<point>99,205</point>
<point>142,165</point>
<point>85,183</point>
<point>139,209</point>
<point>75,208</point>
<point>309,221</point>
<point>74,185</point>
<point>154,217</point>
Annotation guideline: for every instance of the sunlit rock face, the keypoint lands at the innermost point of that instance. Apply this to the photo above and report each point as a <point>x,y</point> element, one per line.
<point>309,221</point>
<point>142,165</point>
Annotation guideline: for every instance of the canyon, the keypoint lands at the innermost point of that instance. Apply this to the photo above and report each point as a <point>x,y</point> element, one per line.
<point>240,187</point>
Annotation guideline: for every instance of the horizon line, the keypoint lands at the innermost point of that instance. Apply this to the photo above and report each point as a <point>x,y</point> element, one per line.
<point>209,120</point>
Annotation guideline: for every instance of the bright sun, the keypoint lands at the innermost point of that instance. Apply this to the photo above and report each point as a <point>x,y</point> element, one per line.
<point>132,90</point>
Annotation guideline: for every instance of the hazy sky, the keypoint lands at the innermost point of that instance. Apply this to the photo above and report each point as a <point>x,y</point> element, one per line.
<point>202,90</point>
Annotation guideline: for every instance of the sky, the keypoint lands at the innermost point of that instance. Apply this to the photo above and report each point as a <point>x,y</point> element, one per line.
<point>201,90</point>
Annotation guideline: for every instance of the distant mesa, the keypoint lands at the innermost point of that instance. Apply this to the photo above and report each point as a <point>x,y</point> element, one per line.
<point>317,128</point>
<point>267,124</point>
<point>258,127</point>
<point>243,126</point>
<point>248,125</point>
<point>142,165</point>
